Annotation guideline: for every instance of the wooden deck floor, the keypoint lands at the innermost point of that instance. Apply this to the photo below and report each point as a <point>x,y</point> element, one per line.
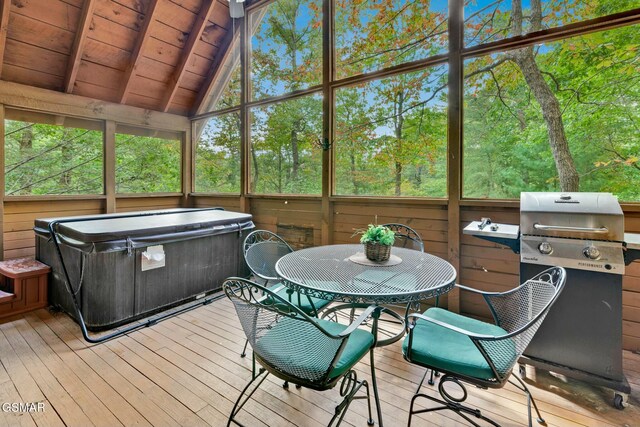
<point>187,371</point>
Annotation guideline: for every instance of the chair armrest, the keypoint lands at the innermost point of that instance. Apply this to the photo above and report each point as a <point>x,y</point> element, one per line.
<point>358,321</point>
<point>476,291</point>
<point>451,327</point>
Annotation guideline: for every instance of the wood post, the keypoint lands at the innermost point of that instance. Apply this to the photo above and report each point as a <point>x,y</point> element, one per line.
<point>454,143</point>
<point>110,165</point>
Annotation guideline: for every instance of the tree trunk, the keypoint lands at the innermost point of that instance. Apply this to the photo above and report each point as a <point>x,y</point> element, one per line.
<point>352,163</point>
<point>26,145</point>
<point>551,112</point>
<point>399,123</point>
<point>67,159</point>
<point>295,155</point>
<point>254,171</point>
<point>569,179</point>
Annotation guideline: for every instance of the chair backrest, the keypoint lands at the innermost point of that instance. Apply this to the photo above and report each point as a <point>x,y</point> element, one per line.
<point>520,312</point>
<point>289,343</point>
<point>406,237</point>
<point>262,249</point>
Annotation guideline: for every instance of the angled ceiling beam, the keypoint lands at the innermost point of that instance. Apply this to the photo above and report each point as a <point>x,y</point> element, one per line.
<point>225,48</point>
<point>4,27</point>
<point>78,45</point>
<point>196,31</point>
<point>136,55</point>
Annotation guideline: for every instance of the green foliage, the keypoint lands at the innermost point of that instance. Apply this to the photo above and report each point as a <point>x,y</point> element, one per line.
<point>147,164</point>
<point>52,159</point>
<point>378,234</point>
<point>218,154</point>
<point>596,82</point>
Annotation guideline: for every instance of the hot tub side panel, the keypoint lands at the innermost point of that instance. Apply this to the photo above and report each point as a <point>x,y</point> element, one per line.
<point>106,294</point>
<point>192,267</point>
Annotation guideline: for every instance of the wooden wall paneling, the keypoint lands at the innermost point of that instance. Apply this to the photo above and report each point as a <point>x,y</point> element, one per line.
<point>131,16</point>
<point>2,176</point>
<point>33,57</point>
<point>99,75</point>
<point>230,203</point>
<point>138,50</point>
<point>106,54</point>
<point>25,29</point>
<point>145,203</point>
<point>154,70</point>
<point>208,7</point>
<point>20,215</point>
<point>215,70</point>
<point>192,81</point>
<point>29,77</point>
<point>142,101</point>
<point>32,98</point>
<point>118,35</point>
<point>91,90</point>
<point>110,165</point>
<point>303,215</point>
<point>54,12</point>
<point>4,24</point>
<point>75,57</point>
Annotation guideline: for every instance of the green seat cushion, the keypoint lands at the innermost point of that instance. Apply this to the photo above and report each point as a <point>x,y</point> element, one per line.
<point>303,302</point>
<point>446,350</point>
<point>295,347</point>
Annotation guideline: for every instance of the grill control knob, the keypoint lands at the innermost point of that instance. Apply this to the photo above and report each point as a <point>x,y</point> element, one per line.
<point>545,248</point>
<point>591,252</point>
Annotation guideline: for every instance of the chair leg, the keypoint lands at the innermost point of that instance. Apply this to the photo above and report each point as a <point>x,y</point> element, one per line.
<point>450,403</point>
<point>374,384</point>
<point>530,400</point>
<point>244,350</point>
<point>240,402</point>
<point>348,389</point>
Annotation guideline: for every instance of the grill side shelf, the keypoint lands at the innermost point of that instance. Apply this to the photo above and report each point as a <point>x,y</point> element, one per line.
<point>502,234</point>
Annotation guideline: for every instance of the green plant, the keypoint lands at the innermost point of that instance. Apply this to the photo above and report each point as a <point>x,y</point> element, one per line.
<point>378,234</point>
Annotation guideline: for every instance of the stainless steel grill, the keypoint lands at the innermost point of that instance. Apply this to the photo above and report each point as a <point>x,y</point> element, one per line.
<point>583,232</point>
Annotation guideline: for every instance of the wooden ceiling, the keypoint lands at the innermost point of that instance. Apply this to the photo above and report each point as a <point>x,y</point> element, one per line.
<point>155,54</point>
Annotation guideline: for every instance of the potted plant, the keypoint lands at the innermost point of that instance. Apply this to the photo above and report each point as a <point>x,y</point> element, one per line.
<point>377,241</point>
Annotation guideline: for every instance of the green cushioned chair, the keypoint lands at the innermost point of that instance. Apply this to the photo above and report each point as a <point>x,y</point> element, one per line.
<point>467,350</point>
<point>261,250</point>
<point>298,348</point>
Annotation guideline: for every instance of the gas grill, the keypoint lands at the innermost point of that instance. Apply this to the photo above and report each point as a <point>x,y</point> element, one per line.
<point>584,233</point>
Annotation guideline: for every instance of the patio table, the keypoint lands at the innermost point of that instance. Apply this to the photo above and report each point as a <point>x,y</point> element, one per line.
<point>340,273</point>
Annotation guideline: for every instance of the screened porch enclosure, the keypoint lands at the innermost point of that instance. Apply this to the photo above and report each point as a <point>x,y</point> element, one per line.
<point>317,118</point>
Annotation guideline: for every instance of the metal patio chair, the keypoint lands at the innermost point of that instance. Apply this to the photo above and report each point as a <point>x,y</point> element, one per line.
<point>295,347</point>
<point>467,350</point>
<point>261,250</point>
<point>406,237</point>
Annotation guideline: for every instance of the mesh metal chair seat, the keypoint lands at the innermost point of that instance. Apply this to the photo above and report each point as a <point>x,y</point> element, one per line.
<point>483,354</point>
<point>298,348</point>
<point>261,250</point>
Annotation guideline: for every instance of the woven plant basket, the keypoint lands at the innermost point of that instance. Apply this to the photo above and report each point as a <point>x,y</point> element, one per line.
<point>377,252</point>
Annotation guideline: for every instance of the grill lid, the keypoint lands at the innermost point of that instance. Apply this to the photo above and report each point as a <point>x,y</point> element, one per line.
<point>577,203</point>
<point>591,216</point>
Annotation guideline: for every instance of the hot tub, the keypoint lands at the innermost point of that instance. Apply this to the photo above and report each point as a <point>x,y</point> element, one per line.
<point>127,266</point>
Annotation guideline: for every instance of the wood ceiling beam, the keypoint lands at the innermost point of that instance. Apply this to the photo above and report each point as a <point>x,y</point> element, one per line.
<point>136,54</point>
<point>189,48</point>
<point>78,45</point>
<point>207,86</point>
<point>4,27</point>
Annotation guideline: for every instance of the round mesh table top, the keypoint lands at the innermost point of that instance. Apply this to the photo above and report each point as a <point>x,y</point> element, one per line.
<point>327,272</point>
